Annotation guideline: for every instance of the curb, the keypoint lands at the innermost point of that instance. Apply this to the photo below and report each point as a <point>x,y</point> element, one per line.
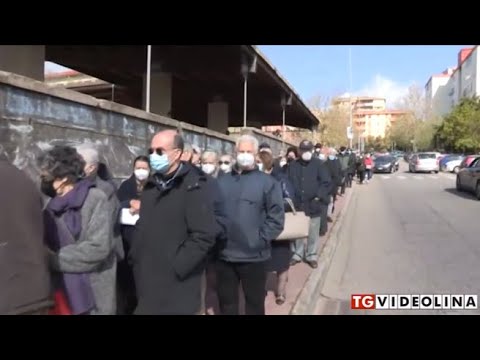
<point>306,302</point>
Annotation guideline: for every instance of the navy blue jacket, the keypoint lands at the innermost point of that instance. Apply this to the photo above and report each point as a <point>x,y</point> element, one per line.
<point>254,206</point>
<point>313,185</point>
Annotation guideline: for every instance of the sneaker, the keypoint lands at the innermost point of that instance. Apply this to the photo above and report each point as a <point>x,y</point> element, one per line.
<point>280,300</point>
<point>294,262</point>
<point>313,263</point>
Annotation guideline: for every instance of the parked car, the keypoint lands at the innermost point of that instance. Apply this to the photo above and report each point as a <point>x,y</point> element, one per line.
<point>424,162</point>
<point>386,164</point>
<point>468,178</point>
<point>444,159</point>
<point>453,166</point>
<point>467,160</point>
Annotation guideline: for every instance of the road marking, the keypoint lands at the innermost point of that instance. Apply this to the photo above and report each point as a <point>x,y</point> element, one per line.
<point>401,177</point>
<point>418,177</point>
<point>386,177</point>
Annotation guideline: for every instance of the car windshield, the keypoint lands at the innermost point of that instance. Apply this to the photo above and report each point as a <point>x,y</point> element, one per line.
<point>384,159</point>
<point>426,156</point>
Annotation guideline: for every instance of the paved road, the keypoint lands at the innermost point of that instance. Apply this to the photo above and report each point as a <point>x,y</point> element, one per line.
<point>406,234</point>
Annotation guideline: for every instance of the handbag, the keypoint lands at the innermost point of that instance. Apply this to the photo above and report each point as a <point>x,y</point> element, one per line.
<point>296,226</point>
<point>61,306</point>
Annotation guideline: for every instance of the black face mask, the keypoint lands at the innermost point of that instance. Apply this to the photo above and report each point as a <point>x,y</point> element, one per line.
<point>289,160</point>
<point>47,188</point>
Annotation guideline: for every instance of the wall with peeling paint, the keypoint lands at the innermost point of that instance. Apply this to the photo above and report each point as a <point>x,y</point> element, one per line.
<point>34,117</point>
<point>31,123</point>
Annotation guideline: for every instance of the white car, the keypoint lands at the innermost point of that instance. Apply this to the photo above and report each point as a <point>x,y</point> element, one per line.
<point>424,162</point>
<point>453,166</point>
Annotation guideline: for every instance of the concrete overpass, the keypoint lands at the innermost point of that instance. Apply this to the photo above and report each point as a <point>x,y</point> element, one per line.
<point>200,85</point>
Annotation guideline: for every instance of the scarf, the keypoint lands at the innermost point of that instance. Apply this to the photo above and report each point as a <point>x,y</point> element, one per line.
<point>64,229</point>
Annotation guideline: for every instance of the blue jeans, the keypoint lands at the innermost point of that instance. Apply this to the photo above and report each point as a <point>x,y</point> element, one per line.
<point>298,247</point>
<point>369,174</point>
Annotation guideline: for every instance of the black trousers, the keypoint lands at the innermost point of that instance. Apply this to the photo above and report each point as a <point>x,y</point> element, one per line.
<point>323,220</point>
<point>252,277</point>
<point>348,180</point>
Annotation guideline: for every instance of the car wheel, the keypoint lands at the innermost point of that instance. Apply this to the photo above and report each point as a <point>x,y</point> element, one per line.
<point>458,184</point>
<point>456,169</point>
<point>477,190</point>
<point>436,171</point>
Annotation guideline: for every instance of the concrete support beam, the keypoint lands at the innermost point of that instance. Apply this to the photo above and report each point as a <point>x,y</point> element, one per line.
<point>161,88</point>
<point>25,60</point>
<point>218,116</point>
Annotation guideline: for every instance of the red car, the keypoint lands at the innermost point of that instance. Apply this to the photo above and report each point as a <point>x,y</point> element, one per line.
<point>467,160</point>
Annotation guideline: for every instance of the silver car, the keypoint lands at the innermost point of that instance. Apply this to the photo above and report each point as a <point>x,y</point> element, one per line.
<point>424,162</point>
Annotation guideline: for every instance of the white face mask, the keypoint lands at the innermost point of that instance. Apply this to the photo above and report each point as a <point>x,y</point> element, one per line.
<point>283,163</point>
<point>260,166</point>
<point>208,168</point>
<point>322,157</point>
<point>225,167</point>
<point>307,156</point>
<point>141,174</point>
<point>245,160</point>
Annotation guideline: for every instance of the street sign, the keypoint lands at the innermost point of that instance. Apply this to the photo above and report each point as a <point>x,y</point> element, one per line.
<point>349,133</point>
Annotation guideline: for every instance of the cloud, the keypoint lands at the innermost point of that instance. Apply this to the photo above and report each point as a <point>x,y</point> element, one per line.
<point>381,86</point>
<point>53,68</point>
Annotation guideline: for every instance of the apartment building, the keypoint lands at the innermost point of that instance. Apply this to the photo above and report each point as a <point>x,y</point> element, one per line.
<point>444,91</point>
<point>370,114</point>
<point>375,123</point>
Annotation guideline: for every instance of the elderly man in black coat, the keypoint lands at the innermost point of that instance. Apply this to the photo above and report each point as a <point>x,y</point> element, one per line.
<point>176,231</point>
<point>313,185</point>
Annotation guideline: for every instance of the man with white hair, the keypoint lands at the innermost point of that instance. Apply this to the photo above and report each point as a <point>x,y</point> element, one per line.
<point>209,161</point>
<point>92,161</point>
<point>254,207</point>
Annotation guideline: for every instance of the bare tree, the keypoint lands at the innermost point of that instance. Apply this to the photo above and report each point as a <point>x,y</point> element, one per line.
<point>417,127</point>
<point>334,121</point>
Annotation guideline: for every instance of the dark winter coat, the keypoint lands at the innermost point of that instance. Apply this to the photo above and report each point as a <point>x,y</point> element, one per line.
<point>24,276</point>
<point>175,233</point>
<point>255,210</point>
<point>336,173</point>
<point>313,185</point>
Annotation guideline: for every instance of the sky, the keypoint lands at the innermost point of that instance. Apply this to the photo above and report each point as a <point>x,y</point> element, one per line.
<point>377,70</point>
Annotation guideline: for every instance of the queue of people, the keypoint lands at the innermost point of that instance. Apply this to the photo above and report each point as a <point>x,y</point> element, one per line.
<point>185,224</point>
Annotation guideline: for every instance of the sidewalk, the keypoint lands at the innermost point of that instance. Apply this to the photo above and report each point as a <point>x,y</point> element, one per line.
<point>298,275</point>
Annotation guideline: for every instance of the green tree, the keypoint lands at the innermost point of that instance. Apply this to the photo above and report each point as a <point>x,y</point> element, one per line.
<point>376,144</point>
<point>460,130</point>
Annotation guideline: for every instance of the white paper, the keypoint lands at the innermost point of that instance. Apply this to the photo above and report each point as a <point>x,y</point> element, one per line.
<point>126,218</point>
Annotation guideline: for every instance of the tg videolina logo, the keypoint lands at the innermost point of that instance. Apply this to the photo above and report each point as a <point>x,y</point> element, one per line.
<point>413,302</point>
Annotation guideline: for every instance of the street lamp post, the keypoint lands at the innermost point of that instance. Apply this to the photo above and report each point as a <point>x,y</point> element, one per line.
<point>285,102</point>
<point>247,68</point>
<point>149,70</point>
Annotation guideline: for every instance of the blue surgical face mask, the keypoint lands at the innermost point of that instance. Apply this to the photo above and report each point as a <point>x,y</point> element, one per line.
<point>260,166</point>
<point>331,157</point>
<point>322,157</point>
<point>159,163</point>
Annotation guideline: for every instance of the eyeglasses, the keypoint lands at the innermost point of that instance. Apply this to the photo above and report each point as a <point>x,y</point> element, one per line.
<point>224,162</point>
<point>158,151</point>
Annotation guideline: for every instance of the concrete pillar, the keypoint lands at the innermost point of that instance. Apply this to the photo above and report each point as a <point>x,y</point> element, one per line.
<point>25,60</point>
<point>160,93</point>
<point>218,116</point>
